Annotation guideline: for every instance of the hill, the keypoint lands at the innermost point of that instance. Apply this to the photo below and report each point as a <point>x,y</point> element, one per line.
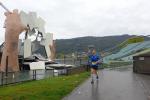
<point>81,44</point>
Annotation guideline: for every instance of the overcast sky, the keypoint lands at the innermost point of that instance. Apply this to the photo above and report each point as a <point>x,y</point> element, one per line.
<point>76,18</point>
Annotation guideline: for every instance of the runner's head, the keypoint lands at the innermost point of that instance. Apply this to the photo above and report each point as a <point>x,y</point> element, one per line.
<point>94,51</point>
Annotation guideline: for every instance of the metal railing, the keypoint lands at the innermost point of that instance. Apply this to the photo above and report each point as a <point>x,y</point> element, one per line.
<point>29,75</point>
<point>72,61</point>
<point>22,76</point>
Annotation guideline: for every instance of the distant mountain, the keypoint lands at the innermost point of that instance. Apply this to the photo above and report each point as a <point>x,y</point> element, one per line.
<point>81,44</point>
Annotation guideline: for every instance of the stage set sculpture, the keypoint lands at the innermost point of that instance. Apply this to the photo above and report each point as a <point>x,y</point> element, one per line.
<point>15,24</point>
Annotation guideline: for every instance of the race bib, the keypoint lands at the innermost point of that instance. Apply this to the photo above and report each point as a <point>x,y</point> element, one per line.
<point>93,63</point>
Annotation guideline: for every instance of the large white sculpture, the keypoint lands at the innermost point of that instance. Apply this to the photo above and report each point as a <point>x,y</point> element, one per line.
<point>37,24</point>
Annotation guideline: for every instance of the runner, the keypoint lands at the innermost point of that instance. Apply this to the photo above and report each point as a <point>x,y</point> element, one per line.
<point>94,61</point>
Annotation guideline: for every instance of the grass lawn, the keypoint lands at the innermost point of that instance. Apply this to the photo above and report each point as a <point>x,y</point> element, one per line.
<point>47,89</point>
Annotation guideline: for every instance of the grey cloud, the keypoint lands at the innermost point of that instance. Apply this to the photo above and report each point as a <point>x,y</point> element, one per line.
<point>73,18</point>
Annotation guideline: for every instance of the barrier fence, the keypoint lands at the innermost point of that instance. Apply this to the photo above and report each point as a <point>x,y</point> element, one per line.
<point>22,76</point>
<point>72,61</point>
<point>29,75</point>
<point>7,78</point>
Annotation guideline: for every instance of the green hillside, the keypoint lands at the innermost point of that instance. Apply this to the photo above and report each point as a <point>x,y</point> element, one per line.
<point>80,44</point>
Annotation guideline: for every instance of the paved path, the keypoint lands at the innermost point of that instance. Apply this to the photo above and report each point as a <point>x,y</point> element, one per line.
<point>115,84</point>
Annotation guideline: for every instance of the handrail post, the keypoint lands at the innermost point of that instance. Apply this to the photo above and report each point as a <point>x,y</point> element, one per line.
<point>6,66</point>
<point>2,78</point>
<point>35,74</point>
<point>6,72</point>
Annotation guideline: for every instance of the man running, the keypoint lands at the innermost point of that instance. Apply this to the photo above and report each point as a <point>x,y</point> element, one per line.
<point>94,61</point>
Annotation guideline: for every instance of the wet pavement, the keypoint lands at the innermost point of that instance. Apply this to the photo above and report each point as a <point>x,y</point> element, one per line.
<point>114,84</point>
